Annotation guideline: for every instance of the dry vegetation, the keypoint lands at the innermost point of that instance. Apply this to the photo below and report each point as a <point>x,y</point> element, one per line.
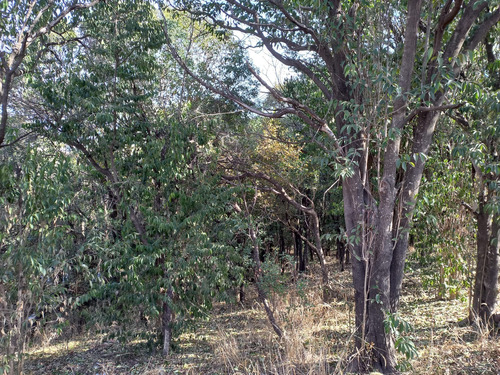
<point>237,339</point>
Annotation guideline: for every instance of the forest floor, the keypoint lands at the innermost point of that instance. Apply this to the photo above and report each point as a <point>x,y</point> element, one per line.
<point>237,339</point>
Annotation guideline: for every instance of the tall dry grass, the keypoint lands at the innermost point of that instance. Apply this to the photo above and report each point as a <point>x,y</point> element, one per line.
<point>312,329</point>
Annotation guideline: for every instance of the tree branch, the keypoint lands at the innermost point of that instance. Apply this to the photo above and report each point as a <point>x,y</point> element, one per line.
<point>224,92</point>
<point>469,208</point>
<point>483,30</point>
<point>431,109</point>
<point>17,140</point>
<point>104,171</point>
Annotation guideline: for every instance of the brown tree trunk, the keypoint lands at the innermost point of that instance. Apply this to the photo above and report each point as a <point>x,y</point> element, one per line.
<point>261,292</point>
<point>487,267</point>
<point>371,228</point>
<point>282,250</point>
<point>300,265</point>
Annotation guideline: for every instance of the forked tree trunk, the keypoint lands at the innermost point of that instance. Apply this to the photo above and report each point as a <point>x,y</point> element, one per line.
<point>371,279</point>
<point>370,228</point>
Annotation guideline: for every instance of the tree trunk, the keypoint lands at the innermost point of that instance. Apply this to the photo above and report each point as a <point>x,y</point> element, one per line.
<point>487,267</point>
<point>261,292</point>
<point>370,228</point>
<point>299,252</point>
<point>371,278</point>
<point>167,321</point>
<point>315,228</point>
<point>341,254</point>
<point>241,293</point>
<point>403,215</point>
<point>282,250</point>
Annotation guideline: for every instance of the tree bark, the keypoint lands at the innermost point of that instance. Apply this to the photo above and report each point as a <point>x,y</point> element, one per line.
<point>487,267</point>
<point>167,319</point>
<point>299,252</point>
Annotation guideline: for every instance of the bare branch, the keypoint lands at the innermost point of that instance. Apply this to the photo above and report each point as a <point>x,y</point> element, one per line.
<point>24,40</point>
<point>17,140</point>
<point>224,92</point>
<point>104,171</point>
<point>445,18</point>
<point>431,109</point>
<point>460,120</point>
<point>296,231</point>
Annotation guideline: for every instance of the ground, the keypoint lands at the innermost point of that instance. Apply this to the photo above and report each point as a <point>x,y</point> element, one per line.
<point>237,339</point>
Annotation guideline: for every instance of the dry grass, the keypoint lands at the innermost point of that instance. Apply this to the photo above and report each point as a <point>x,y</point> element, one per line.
<point>237,339</point>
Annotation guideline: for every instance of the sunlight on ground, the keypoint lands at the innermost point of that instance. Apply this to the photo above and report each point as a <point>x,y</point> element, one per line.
<point>237,339</point>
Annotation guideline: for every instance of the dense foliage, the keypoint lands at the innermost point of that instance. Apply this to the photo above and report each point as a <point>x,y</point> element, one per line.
<point>144,177</point>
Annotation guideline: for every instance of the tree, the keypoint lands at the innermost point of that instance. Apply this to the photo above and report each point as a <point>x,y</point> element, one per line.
<point>116,103</point>
<point>40,236</point>
<point>273,164</point>
<point>478,138</point>
<point>29,29</point>
<point>383,107</point>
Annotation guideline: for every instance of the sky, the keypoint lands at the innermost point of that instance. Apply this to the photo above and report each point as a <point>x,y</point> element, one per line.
<point>269,68</point>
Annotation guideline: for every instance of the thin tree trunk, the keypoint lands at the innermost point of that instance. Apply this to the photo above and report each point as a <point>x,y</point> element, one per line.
<point>6,87</point>
<point>487,267</point>
<point>167,321</point>
<point>261,293</point>
<point>282,250</point>
<point>299,252</point>
<point>404,211</point>
<point>241,292</point>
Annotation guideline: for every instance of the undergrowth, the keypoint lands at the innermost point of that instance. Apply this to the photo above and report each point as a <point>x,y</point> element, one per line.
<point>237,339</point>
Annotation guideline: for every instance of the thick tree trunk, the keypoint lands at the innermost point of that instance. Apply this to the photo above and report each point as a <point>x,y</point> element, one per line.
<point>372,225</point>
<point>371,277</point>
